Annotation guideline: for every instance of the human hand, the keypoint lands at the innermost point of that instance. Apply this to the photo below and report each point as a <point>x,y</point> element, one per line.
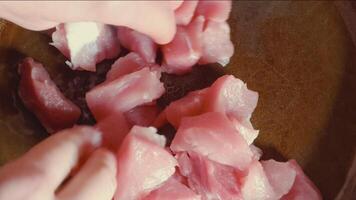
<point>154,18</point>
<point>42,172</point>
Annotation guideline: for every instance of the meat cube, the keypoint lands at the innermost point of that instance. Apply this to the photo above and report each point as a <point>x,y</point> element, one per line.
<point>208,178</point>
<point>137,42</point>
<point>114,129</point>
<point>185,49</point>
<point>303,188</point>
<point>143,164</point>
<point>41,96</point>
<point>216,43</point>
<point>185,12</point>
<point>190,105</point>
<point>172,189</point>
<point>255,184</point>
<point>125,65</point>
<point>281,176</point>
<point>86,43</point>
<point>214,136</point>
<point>143,115</point>
<point>245,129</point>
<point>230,95</point>
<point>214,10</point>
<point>125,93</point>
<point>227,95</point>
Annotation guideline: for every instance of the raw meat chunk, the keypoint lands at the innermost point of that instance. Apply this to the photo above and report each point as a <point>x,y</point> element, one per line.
<point>86,43</point>
<point>210,179</point>
<point>280,175</point>
<point>245,129</point>
<point>257,152</point>
<point>172,189</point>
<point>125,65</point>
<point>230,95</point>
<point>185,12</point>
<point>190,105</point>
<point>137,42</point>
<point>227,95</point>
<point>255,185</point>
<point>216,44</point>
<point>114,129</point>
<point>124,93</point>
<point>142,115</point>
<point>185,49</point>
<point>41,96</point>
<point>214,10</point>
<point>149,134</point>
<point>179,177</point>
<point>303,188</point>
<point>143,164</point>
<point>214,136</point>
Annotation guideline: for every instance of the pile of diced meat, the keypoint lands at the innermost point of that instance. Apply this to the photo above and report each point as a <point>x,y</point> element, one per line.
<point>211,157</point>
<point>203,36</point>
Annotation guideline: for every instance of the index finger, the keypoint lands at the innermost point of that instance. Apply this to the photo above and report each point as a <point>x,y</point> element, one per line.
<point>55,157</point>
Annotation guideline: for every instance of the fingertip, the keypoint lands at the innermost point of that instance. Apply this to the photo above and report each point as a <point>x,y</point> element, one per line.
<point>95,180</point>
<point>166,31</point>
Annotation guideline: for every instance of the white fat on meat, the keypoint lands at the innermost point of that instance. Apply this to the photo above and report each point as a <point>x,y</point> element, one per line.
<point>86,43</point>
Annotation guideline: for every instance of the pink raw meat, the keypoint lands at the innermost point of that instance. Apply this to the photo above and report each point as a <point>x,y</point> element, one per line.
<point>137,42</point>
<point>179,177</point>
<point>160,120</point>
<point>255,186</point>
<point>303,188</point>
<point>216,43</point>
<point>230,95</point>
<point>281,176</point>
<point>41,96</point>
<point>142,115</point>
<point>190,105</point>
<point>114,129</point>
<point>125,93</point>
<point>185,49</point>
<point>245,129</point>
<point>227,95</point>
<point>125,65</point>
<point>213,135</point>
<point>210,179</point>
<point>185,12</point>
<point>143,164</point>
<point>86,43</point>
<point>257,152</point>
<point>172,189</point>
<point>214,10</point>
